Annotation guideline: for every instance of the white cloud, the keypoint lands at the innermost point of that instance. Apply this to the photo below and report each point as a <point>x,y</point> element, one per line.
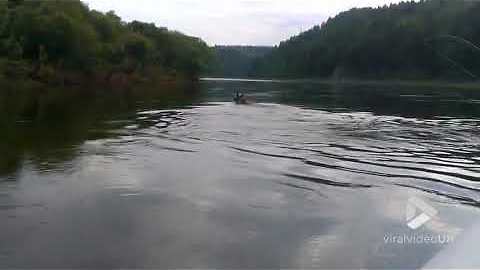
<point>255,22</point>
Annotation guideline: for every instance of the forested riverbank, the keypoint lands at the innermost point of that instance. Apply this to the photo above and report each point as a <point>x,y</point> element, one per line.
<point>65,42</point>
<point>417,41</point>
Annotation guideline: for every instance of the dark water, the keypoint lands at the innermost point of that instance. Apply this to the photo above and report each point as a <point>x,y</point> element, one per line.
<point>311,176</point>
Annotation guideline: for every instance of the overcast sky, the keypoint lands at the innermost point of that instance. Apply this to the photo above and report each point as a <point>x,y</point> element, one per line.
<point>233,22</point>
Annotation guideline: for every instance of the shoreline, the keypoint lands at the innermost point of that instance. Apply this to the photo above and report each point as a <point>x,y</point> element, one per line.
<point>23,75</point>
<point>386,82</point>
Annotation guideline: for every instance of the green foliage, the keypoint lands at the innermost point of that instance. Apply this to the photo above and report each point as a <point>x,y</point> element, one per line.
<point>136,46</point>
<point>236,61</point>
<point>68,35</point>
<point>405,40</point>
<point>173,50</point>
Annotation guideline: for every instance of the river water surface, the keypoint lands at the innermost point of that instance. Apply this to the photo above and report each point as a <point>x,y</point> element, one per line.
<point>310,176</point>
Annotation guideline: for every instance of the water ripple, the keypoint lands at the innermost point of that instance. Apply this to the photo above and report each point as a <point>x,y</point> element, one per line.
<point>373,150</point>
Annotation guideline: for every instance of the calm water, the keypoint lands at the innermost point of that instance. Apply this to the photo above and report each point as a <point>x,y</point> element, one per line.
<point>311,176</point>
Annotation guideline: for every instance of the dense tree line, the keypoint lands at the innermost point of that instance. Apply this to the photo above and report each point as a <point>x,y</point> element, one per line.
<point>410,40</point>
<point>236,61</point>
<point>44,38</point>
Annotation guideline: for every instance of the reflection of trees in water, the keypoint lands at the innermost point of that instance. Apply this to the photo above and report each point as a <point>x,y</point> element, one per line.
<point>384,99</point>
<point>46,126</point>
<point>408,99</point>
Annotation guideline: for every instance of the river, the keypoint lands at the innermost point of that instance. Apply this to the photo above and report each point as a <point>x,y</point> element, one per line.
<point>313,175</point>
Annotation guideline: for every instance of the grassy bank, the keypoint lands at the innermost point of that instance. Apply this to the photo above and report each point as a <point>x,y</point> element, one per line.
<point>26,73</point>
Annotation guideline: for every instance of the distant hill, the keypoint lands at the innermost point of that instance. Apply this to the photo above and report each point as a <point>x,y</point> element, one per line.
<point>236,61</point>
<point>412,40</point>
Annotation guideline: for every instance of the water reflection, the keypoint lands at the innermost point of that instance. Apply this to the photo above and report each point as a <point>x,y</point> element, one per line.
<point>46,127</point>
<point>313,176</point>
<point>399,99</point>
